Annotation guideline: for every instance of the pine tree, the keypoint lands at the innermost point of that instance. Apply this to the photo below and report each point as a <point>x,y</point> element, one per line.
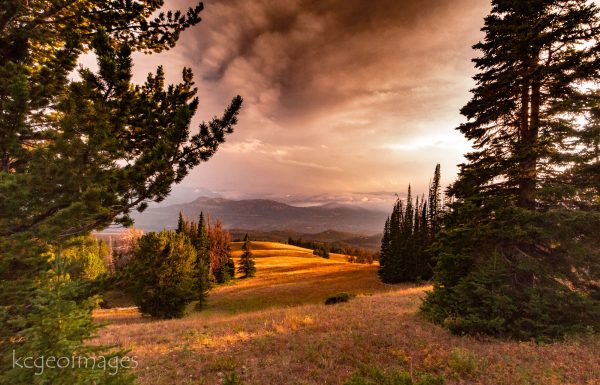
<point>247,267</point>
<point>519,242</point>
<point>79,154</point>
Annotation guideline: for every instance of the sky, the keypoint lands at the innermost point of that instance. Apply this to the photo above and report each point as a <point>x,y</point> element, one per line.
<point>347,101</point>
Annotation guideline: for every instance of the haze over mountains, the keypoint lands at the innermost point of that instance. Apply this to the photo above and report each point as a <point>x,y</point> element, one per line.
<point>267,215</point>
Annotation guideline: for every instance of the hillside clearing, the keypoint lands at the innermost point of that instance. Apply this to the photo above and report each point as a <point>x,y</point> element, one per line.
<point>274,330</point>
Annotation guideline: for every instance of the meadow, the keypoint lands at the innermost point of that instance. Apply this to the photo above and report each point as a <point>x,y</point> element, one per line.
<point>274,329</point>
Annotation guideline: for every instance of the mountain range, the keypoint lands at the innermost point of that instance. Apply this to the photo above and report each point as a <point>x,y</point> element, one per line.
<point>266,215</point>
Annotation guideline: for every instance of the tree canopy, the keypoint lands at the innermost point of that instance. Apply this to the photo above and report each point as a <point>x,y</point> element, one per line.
<point>518,254</point>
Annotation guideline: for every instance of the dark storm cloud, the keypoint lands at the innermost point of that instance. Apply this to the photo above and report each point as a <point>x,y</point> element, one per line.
<point>340,96</point>
<point>297,58</point>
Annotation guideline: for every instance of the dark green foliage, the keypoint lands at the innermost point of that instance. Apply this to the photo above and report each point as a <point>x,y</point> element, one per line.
<point>78,155</point>
<point>407,236</point>
<point>322,251</point>
<point>232,378</point>
<point>337,298</point>
<point>519,254</point>
<point>247,267</point>
<point>508,275</point>
<point>162,275</point>
<point>369,375</point>
<point>59,324</point>
<point>198,237</point>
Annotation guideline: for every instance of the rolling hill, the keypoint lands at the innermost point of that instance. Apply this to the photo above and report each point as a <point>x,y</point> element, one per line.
<point>267,215</point>
<point>274,327</point>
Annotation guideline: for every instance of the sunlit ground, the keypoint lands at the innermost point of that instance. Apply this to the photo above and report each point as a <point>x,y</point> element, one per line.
<point>275,329</point>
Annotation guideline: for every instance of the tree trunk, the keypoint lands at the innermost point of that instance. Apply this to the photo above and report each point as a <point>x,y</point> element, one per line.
<point>528,148</point>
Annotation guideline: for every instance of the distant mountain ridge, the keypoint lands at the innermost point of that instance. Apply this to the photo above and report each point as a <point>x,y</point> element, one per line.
<point>267,215</point>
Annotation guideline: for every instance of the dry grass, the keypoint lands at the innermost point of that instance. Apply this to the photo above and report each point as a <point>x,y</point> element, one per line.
<point>252,328</point>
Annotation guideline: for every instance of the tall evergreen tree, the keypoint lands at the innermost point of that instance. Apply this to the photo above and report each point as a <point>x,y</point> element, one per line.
<point>182,225</point>
<point>247,266</point>
<point>385,251</point>
<point>78,155</point>
<point>519,255</point>
<point>435,202</point>
<point>203,261</point>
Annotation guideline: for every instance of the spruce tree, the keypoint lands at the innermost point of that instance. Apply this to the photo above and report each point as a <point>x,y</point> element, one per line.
<point>247,266</point>
<point>519,251</point>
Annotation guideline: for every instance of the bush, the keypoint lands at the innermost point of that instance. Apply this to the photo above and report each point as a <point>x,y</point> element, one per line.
<point>233,379</point>
<point>337,298</point>
<point>162,274</point>
<point>462,362</point>
<point>369,375</point>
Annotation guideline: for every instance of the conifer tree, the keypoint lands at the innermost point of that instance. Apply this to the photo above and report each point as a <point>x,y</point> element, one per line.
<point>247,266</point>
<point>202,246</point>
<point>519,255</point>
<point>385,251</point>
<point>79,154</point>
<point>405,247</point>
<point>163,274</point>
<point>435,202</point>
<point>221,261</point>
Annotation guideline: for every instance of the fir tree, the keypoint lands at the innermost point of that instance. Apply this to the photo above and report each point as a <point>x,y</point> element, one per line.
<point>247,267</point>
<point>520,240</point>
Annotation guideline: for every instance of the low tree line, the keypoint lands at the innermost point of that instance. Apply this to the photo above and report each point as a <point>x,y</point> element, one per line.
<point>323,249</point>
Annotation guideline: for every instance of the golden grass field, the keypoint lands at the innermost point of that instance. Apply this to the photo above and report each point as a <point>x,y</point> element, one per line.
<point>274,330</point>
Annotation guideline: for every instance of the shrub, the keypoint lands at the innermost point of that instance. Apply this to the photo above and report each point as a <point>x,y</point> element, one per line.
<point>370,375</point>
<point>162,275</point>
<point>462,362</point>
<point>232,379</point>
<point>337,298</point>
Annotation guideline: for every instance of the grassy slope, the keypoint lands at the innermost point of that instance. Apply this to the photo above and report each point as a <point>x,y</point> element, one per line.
<point>250,327</point>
